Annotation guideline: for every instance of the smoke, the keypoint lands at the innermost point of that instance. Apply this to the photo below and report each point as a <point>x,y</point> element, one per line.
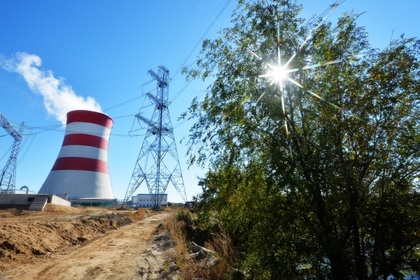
<point>58,97</point>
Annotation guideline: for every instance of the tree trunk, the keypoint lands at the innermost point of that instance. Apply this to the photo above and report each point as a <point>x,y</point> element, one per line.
<point>360,262</point>
<point>338,269</point>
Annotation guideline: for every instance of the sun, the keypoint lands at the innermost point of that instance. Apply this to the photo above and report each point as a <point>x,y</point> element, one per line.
<point>277,73</point>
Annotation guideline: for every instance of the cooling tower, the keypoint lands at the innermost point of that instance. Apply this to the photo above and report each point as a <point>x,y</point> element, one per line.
<point>81,168</point>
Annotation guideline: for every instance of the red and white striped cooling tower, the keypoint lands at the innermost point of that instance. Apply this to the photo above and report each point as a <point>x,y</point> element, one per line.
<point>81,168</point>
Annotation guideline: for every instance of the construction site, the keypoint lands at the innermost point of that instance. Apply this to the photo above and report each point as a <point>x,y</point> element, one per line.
<point>64,242</point>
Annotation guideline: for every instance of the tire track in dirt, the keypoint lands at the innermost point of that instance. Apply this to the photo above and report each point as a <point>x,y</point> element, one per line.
<point>135,251</point>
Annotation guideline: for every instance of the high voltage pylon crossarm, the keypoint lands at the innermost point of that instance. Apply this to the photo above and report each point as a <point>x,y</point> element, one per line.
<point>160,104</point>
<point>9,128</point>
<point>153,127</point>
<point>163,78</point>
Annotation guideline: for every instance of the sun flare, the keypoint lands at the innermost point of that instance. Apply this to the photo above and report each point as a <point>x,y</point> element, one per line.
<point>277,73</point>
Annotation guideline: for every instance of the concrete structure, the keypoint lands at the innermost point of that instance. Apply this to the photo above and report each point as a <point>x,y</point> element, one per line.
<point>32,202</point>
<point>148,200</point>
<point>81,168</point>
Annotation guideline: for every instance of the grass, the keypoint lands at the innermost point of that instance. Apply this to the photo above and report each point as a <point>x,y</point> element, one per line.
<point>182,228</point>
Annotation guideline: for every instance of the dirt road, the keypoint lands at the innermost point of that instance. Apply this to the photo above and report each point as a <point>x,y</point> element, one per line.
<point>141,250</point>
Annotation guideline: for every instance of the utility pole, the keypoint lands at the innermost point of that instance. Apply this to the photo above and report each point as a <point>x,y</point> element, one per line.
<point>157,164</point>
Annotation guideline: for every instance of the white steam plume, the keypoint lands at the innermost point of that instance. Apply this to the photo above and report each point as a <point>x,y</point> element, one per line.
<point>59,98</point>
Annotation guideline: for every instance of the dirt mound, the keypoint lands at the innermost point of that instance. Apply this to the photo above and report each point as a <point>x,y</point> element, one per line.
<point>27,237</point>
<point>7,213</point>
<point>54,208</point>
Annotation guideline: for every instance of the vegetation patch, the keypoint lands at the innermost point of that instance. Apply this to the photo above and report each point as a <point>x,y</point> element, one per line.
<point>200,253</point>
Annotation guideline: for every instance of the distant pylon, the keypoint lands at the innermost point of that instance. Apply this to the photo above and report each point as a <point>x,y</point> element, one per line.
<point>157,164</point>
<point>8,174</point>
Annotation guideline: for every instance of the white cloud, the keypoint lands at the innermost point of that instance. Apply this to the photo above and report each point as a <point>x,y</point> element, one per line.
<point>59,98</point>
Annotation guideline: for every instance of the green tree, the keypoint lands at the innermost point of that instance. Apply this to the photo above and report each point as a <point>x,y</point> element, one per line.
<point>336,195</point>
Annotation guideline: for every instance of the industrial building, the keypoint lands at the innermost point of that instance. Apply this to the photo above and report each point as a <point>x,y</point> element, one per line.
<point>149,200</point>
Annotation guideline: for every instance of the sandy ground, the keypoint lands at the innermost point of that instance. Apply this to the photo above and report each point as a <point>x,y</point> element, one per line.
<point>85,244</point>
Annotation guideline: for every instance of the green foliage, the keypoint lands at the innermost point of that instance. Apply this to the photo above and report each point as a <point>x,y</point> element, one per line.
<point>337,198</point>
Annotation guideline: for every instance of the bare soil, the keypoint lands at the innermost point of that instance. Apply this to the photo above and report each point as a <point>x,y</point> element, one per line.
<point>85,243</point>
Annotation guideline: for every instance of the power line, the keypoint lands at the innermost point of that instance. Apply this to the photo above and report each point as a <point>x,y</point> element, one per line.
<point>123,103</point>
<point>130,100</point>
<point>26,149</point>
<point>202,37</point>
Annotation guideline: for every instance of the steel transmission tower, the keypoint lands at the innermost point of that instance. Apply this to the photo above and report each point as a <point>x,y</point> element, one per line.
<point>157,164</point>
<point>8,174</point>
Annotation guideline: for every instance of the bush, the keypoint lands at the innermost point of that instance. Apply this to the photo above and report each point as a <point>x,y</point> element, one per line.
<point>184,230</point>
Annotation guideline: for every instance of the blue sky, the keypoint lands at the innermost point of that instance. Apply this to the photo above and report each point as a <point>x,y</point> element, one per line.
<point>103,49</point>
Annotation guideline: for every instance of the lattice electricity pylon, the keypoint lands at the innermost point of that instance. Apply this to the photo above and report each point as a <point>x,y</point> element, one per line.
<point>8,174</point>
<point>157,164</point>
